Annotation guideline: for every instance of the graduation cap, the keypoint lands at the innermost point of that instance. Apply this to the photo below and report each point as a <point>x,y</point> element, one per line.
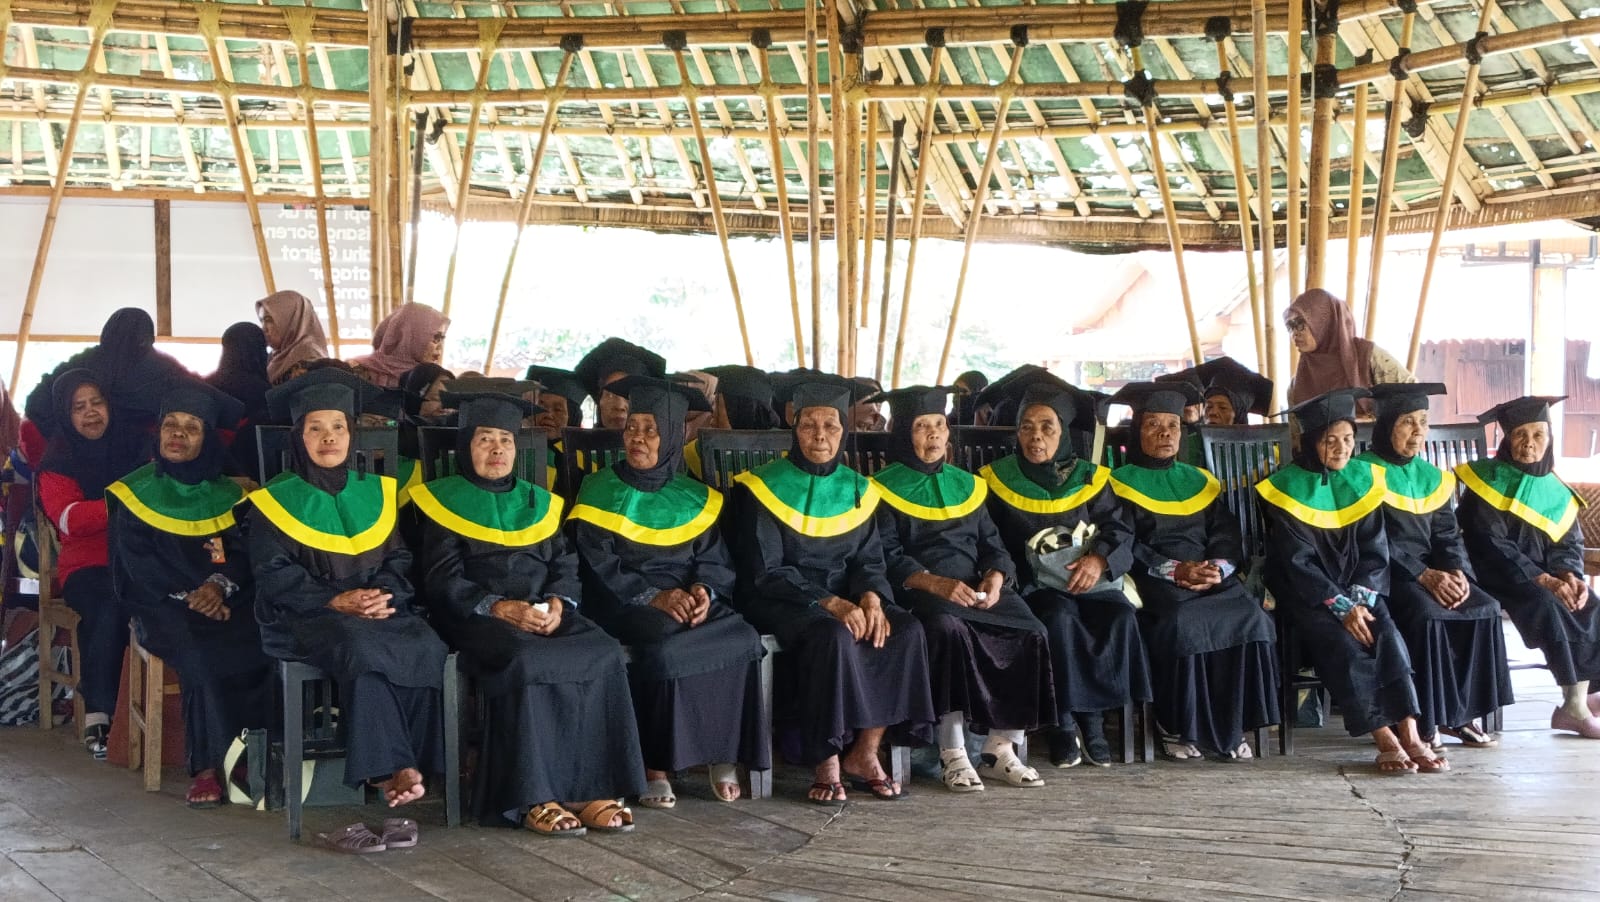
<point>325,388</point>
<point>906,404</point>
<point>1520,411</point>
<point>1396,398</point>
<point>694,380</point>
<point>1169,396</point>
<point>1013,384</point>
<point>1317,414</point>
<point>742,382</point>
<point>559,382</point>
<point>669,402</point>
<point>387,403</point>
<point>490,409</point>
<point>614,355</point>
<point>213,406</point>
<point>824,391</point>
<point>1247,390</point>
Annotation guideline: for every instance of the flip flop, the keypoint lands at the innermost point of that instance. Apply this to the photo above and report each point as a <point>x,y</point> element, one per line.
<point>542,820</point>
<point>1470,736</point>
<point>1427,760</point>
<point>354,839</point>
<point>204,786</point>
<point>597,815</point>
<point>834,791</point>
<point>658,794</point>
<point>1395,756</point>
<point>881,789</point>
<point>399,832</point>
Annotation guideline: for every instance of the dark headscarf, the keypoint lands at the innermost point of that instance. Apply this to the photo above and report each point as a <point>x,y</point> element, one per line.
<point>831,392</point>
<point>128,335</point>
<point>1341,360</point>
<point>414,384</point>
<point>669,405</point>
<point>242,369</point>
<point>967,403</point>
<point>92,463</point>
<point>1054,471</point>
<point>214,408</point>
<point>906,405</point>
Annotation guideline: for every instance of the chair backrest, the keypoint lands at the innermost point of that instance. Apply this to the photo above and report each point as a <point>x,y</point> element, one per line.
<point>1241,456</point>
<point>437,453</point>
<point>975,447</point>
<point>377,448</point>
<point>725,453</point>
<point>1455,443</point>
<point>1116,450</point>
<point>866,452</point>
<point>585,451</point>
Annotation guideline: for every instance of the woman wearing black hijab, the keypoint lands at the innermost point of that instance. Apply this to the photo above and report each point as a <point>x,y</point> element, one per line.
<point>968,385</point>
<point>657,575</point>
<point>130,372</point>
<point>89,452</point>
<point>1040,497</point>
<point>811,571</point>
<point>988,656</point>
<point>1328,569</point>
<point>1520,522</point>
<point>242,368</point>
<point>505,590</point>
<point>1210,641</point>
<point>178,561</point>
<point>331,589</point>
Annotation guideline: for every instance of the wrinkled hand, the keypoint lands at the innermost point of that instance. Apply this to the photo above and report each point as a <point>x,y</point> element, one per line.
<point>1355,623</point>
<point>1577,592</point>
<point>853,618</point>
<point>545,622</point>
<point>675,603</point>
<point>1197,576</point>
<point>993,582</point>
<point>877,621</point>
<point>702,603</point>
<point>952,590</point>
<point>1449,589</point>
<point>1086,571</point>
<point>209,601</point>
<point>369,604</point>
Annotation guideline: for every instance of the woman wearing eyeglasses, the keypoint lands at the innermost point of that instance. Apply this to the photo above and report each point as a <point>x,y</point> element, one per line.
<point>1332,356</point>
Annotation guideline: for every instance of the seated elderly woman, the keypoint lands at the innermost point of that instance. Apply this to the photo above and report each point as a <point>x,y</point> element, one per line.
<point>607,362</point>
<point>331,589</point>
<point>987,653</point>
<point>1520,522</point>
<point>1210,641</point>
<point>1451,626</point>
<point>560,399</point>
<point>505,591</point>
<point>179,565</point>
<point>1328,568</point>
<point>657,575</point>
<point>1049,504</point>
<point>812,572</point>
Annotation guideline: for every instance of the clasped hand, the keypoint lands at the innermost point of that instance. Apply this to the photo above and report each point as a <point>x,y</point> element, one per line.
<point>957,592</point>
<point>1448,587</point>
<point>1197,576</point>
<point>1570,589</point>
<point>209,601</point>
<point>865,620</point>
<point>524,616</point>
<point>369,604</point>
<point>687,606</point>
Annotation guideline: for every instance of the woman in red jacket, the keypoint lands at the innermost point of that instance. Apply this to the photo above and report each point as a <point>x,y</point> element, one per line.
<point>83,458</point>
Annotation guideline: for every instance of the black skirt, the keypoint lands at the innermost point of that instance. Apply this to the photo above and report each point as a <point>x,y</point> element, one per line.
<point>993,665</point>
<point>1570,640</point>
<point>388,727</point>
<point>1211,699</point>
<point>1097,658</point>
<point>402,649</point>
<point>1372,686</point>
<point>1458,655</point>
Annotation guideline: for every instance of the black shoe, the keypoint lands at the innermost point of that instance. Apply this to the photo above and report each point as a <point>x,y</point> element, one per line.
<point>94,739</point>
<point>1065,748</point>
<point>1096,750</point>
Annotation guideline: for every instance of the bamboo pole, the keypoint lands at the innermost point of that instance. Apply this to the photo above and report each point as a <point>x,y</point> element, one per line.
<point>241,151</point>
<point>1174,237</point>
<point>813,181</point>
<point>839,172</point>
<point>1241,182</point>
<point>1358,196</point>
<point>376,99</point>
<point>464,183</point>
<point>1320,206</point>
<point>553,95</point>
<point>780,178</point>
<point>100,23</point>
<point>416,207</point>
<point>1292,39</point>
<point>1269,241</point>
<point>314,149</point>
<point>693,103</point>
<point>892,207</point>
<point>870,207</point>
<point>851,246</point>
<point>1385,198</point>
<point>980,195</point>
<point>919,202</point>
<point>1441,218</point>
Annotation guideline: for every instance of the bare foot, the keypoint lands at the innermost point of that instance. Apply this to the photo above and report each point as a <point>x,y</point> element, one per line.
<point>404,787</point>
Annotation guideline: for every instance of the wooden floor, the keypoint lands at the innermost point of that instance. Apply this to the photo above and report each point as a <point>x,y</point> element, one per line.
<point>1520,822</point>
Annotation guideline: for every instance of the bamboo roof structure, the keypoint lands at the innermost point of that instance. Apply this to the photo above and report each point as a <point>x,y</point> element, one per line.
<point>238,99</point>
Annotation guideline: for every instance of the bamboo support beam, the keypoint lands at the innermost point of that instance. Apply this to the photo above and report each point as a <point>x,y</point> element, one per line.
<point>1490,45</point>
<point>896,145</point>
<point>241,154</point>
<point>869,208</point>
<point>980,195</point>
<point>715,194</point>
<point>1292,40</point>
<point>1159,169</point>
<point>415,210</point>
<point>1241,183</point>
<point>1319,212</point>
<point>919,203</point>
<point>1268,324</point>
<point>839,174</point>
<point>1446,187</point>
<point>553,95</point>
<point>814,181</point>
<point>486,49</point>
<point>314,163</point>
<point>1357,196</point>
<point>1386,176</point>
<point>769,100</point>
<point>100,24</point>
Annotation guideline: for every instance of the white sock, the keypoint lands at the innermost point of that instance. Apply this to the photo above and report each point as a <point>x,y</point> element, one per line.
<point>1575,700</point>
<point>96,720</point>
<point>953,731</point>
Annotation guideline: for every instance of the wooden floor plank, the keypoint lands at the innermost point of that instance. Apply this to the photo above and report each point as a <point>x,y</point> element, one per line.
<point>76,874</point>
<point>17,885</point>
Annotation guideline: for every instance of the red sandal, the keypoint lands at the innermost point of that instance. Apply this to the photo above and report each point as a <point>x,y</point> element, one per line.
<point>201,787</point>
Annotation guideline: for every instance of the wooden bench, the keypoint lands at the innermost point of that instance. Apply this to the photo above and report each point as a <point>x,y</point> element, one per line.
<point>54,614</point>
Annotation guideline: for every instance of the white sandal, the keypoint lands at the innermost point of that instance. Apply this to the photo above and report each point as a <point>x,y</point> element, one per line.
<point>723,775</point>
<point>1008,767</point>
<point>658,794</point>
<point>958,774</point>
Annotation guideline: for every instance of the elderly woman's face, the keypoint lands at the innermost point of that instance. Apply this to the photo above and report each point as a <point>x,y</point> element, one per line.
<point>90,412</point>
<point>820,432</point>
<point>1039,434</point>
<point>1409,433</point>
<point>1529,442</point>
<point>930,436</point>
<point>182,434</point>
<point>1336,445</point>
<point>612,407</point>
<point>327,437</point>
<point>493,452</point>
<point>1159,434</point>
<point>554,416</point>
<point>1219,410</point>
<point>641,439</point>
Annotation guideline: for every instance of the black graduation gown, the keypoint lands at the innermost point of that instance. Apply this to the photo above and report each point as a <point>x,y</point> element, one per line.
<point>1305,567</point>
<point>224,678</point>
<point>696,690</point>
<point>992,664</point>
<point>1097,658</point>
<point>555,726</point>
<point>389,672</point>
<point>1212,654</point>
<point>829,684</point>
<point>1509,554</point>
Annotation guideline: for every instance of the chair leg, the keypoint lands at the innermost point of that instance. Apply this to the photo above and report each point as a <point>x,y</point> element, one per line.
<point>1129,740</point>
<point>1148,752</point>
<point>761,780</point>
<point>138,705</point>
<point>293,744</point>
<point>47,637</point>
<point>452,742</point>
<point>900,764</point>
<point>155,704</point>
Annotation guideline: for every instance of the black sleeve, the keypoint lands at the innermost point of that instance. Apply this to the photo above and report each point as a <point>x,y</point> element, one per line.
<point>1372,542</point>
<point>608,583</point>
<point>1566,556</point>
<point>712,564</point>
<point>129,544</point>
<point>1446,550</point>
<point>1291,545</point>
<point>992,554</point>
<point>1223,539</point>
<point>900,565</point>
<point>1489,540</point>
<point>392,575</point>
<point>281,581</point>
<point>759,554</point>
<point>1113,537</point>
<point>444,573</point>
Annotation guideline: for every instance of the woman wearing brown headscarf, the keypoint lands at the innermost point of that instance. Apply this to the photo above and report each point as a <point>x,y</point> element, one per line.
<point>293,333</point>
<point>1331,355</point>
<point>408,337</point>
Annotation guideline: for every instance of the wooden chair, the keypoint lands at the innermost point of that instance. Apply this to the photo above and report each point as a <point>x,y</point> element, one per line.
<point>725,453</point>
<point>437,453</point>
<point>866,452</point>
<point>55,615</point>
<point>147,692</point>
<point>975,447</point>
<point>585,451</point>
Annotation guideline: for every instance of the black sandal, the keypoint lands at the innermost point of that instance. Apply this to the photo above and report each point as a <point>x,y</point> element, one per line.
<point>834,791</point>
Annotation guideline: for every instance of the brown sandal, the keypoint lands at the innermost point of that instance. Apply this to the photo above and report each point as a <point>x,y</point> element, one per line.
<point>545,820</point>
<point>597,815</point>
<point>354,839</point>
<point>1427,760</point>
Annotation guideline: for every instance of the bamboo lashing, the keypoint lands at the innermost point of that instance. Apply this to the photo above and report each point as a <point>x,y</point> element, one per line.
<point>1358,196</point>
<point>1441,217</point>
<point>919,187</point>
<point>980,194</point>
<point>780,178</point>
<point>891,209</point>
<point>241,152</point>
<point>715,194</point>
<point>814,181</point>
<point>299,26</point>
<point>489,34</point>
<point>1385,197</point>
<point>1241,182</point>
<point>552,101</point>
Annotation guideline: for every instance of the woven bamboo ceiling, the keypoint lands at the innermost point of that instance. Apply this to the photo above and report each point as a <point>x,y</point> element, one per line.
<point>1073,165</point>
